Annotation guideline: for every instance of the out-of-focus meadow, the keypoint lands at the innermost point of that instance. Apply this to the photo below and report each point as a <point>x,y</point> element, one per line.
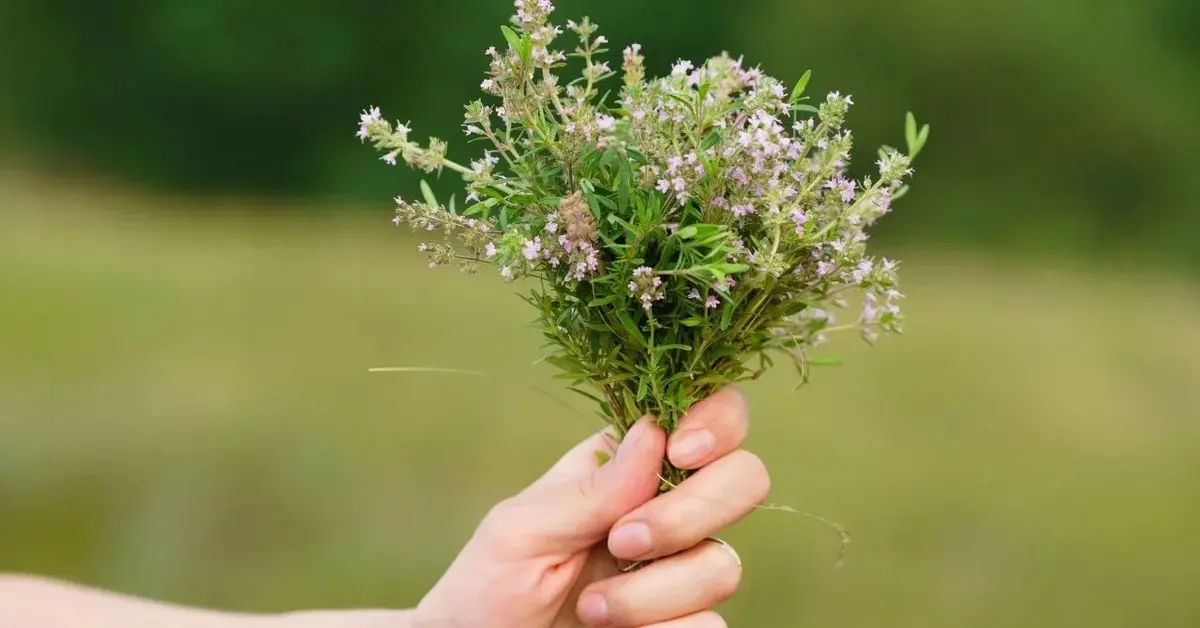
<point>185,407</point>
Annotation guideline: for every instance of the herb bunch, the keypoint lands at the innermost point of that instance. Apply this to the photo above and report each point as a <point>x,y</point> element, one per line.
<point>676,234</point>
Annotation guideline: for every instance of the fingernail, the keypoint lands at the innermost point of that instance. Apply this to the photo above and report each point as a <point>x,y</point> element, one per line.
<point>630,441</point>
<point>691,447</point>
<point>593,609</point>
<point>630,540</point>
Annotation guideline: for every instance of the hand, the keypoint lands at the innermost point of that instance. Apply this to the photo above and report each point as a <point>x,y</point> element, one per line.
<point>543,559</point>
<point>546,558</point>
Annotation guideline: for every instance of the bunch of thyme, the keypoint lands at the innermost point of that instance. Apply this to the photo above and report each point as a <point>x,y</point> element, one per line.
<point>674,235</point>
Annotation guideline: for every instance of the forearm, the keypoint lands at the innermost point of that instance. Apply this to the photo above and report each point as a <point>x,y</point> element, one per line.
<point>30,602</point>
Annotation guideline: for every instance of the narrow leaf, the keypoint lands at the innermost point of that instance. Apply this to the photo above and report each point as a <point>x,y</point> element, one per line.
<point>798,91</point>
<point>514,40</point>
<point>430,199</point>
<point>910,131</point>
<point>631,327</point>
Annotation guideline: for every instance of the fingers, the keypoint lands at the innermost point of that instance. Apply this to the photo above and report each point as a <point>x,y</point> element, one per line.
<point>677,587</point>
<point>712,428</point>
<point>715,497</point>
<point>581,459</point>
<point>574,506</point>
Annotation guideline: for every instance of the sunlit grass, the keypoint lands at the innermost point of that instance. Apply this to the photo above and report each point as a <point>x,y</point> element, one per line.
<point>186,412</point>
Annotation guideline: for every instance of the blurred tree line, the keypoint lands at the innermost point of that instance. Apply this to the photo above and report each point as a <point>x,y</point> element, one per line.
<point>1055,124</point>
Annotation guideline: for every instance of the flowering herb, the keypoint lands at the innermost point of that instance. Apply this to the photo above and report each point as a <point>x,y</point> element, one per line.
<point>677,234</point>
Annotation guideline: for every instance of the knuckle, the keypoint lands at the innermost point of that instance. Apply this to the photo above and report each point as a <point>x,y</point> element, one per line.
<point>498,518</point>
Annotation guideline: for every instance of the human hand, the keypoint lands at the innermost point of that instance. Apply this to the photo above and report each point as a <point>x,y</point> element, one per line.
<point>546,558</point>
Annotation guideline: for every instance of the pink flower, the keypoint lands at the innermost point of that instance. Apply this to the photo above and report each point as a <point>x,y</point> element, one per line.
<point>800,218</point>
<point>532,249</point>
<point>712,302</point>
<point>490,250</point>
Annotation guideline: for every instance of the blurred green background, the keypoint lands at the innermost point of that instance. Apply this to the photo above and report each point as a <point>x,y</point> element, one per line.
<point>197,269</point>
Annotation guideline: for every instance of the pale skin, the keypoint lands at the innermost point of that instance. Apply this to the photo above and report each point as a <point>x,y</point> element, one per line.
<point>545,558</point>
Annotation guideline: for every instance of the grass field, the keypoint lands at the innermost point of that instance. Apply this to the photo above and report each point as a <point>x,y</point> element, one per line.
<point>186,413</point>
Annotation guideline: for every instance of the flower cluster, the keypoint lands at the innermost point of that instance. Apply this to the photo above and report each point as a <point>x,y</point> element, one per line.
<point>680,232</point>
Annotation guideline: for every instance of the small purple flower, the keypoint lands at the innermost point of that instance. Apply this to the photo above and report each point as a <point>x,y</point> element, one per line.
<point>643,271</point>
<point>532,248</point>
<point>825,268</point>
<point>745,209</point>
<point>800,218</point>
<point>861,271</point>
<point>396,221</point>
<point>389,158</point>
<point>551,226</point>
<point>663,185</point>
<point>739,175</point>
<point>712,302</point>
<point>693,294</point>
<point>506,272</point>
<point>605,123</point>
<point>490,250</point>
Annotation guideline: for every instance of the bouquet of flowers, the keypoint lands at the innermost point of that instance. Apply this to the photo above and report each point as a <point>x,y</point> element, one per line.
<point>673,235</point>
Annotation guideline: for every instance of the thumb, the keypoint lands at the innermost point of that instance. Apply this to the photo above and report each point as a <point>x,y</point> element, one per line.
<point>575,504</point>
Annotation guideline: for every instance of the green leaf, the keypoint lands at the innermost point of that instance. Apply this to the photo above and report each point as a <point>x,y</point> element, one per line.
<point>603,301</point>
<point>631,327</point>
<point>452,207</point>
<point>643,388</point>
<point>430,199</point>
<point>694,321</point>
<point>727,315</point>
<point>798,91</point>
<point>910,130</point>
<point>711,140</point>
<point>728,268</point>
<point>806,108</point>
<point>481,207</point>
<point>514,40</point>
<point>687,233</point>
<point>916,138</point>
<point>676,97</point>
<point>823,361</point>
